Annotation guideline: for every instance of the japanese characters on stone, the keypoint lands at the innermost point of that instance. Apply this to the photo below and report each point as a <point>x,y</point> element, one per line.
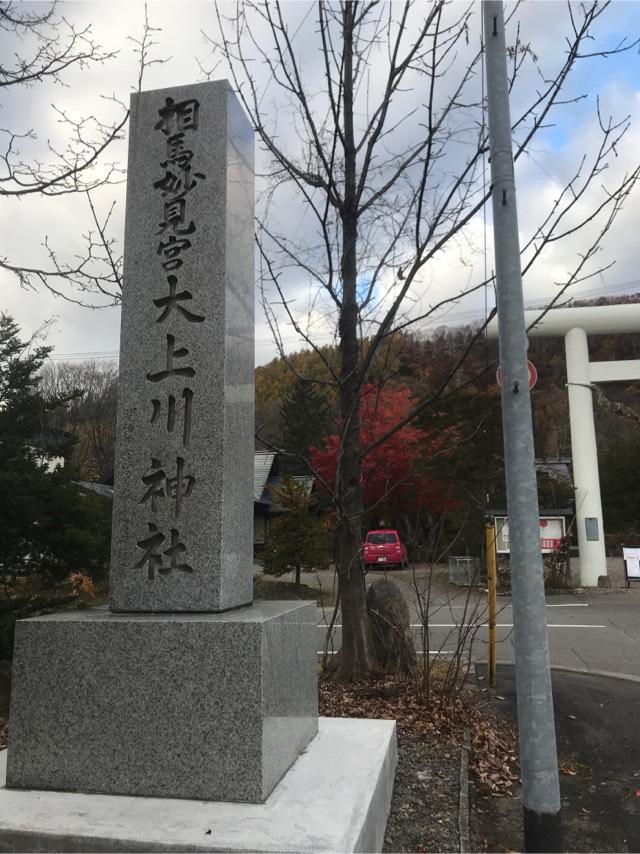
<point>170,480</point>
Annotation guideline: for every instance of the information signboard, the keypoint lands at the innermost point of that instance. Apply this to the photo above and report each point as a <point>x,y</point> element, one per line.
<point>552,532</point>
<point>631,564</point>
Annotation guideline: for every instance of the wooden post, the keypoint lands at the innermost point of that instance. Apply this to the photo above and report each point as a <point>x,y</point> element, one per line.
<point>490,533</point>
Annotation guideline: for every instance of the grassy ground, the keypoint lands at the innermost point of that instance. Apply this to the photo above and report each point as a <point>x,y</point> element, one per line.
<point>267,587</point>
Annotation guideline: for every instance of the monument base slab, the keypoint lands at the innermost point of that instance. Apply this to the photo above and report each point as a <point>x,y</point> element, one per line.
<point>208,706</point>
<point>335,797</point>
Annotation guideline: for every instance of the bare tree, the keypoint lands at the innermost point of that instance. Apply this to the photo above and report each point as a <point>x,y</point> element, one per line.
<point>375,140</point>
<point>89,393</point>
<point>47,48</point>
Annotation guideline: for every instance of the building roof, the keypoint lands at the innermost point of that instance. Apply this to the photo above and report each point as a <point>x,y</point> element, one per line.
<point>557,468</point>
<point>264,478</point>
<point>262,464</point>
<point>98,488</point>
<point>276,483</point>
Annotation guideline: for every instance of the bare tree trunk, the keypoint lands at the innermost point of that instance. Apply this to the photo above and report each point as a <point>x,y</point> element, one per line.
<point>357,655</point>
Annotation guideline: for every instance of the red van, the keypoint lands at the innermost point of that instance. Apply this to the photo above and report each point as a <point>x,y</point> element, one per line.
<point>383,549</point>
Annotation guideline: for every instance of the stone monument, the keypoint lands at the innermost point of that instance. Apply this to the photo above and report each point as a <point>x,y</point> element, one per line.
<point>183,688</point>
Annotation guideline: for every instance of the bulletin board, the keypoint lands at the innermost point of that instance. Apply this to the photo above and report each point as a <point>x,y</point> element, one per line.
<point>552,532</point>
<point>631,564</point>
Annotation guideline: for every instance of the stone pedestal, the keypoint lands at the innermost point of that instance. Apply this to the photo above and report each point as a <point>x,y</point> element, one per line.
<point>336,797</point>
<point>209,706</point>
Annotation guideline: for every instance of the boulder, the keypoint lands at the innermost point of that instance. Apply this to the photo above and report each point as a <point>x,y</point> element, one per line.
<point>391,628</point>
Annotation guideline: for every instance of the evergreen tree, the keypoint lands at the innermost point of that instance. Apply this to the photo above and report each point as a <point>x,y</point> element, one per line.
<point>21,406</point>
<point>619,462</point>
<point>298,541</point>
<point>306,421</point>
<point>48,527</point>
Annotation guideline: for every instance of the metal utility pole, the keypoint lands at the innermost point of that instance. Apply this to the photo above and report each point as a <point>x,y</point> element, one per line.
<point>538,757</point>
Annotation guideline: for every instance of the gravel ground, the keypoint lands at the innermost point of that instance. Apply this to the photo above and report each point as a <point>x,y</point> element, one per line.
<point>424,807</point>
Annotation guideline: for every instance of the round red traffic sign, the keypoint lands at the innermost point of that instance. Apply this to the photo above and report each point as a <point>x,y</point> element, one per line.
<point>533,375</point>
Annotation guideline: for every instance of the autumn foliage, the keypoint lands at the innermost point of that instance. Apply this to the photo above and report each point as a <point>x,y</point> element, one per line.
<point>394,474</point>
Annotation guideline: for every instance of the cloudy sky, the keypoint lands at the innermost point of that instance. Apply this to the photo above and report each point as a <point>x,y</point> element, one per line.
<point>77,332</point>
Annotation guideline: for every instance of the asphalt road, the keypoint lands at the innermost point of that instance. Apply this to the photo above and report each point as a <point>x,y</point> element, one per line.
<point>599,758</point>
<point>595,631</point>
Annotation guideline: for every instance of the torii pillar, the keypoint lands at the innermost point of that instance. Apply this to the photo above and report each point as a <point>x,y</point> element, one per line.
<point>575,324</point>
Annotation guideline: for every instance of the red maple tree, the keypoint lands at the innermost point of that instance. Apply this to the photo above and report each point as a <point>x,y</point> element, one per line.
<point>392,482</point>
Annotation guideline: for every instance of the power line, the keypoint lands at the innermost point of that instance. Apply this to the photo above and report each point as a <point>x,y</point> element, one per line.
<point>90,355</point>
<point>442,320</point>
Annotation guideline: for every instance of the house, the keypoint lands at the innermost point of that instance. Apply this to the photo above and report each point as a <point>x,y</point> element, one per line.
<point>50,446</point>
<point>266,478</point>
<point>557,468</point>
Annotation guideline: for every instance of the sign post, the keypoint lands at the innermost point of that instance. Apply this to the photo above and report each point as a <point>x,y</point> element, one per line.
<point>552,533</point>
<point>533,375</point>
<point>490,534</point>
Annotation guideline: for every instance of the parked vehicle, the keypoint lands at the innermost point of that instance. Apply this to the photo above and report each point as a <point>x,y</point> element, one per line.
<point>384,549</point>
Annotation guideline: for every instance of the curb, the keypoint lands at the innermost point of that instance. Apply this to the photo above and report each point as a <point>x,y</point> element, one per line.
<point>596,592</point>
<point>607,674</point>
<point>463,808</point>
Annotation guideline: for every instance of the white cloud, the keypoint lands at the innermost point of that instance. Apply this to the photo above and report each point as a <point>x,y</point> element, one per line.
<point>25,224</point>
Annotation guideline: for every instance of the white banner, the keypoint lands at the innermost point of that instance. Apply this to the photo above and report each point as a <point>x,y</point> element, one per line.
<point>632,562</point>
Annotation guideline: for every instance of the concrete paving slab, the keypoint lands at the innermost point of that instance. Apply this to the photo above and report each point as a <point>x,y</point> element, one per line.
<point>336,797</point>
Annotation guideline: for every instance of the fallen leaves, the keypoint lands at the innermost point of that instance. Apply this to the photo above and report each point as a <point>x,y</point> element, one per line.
<point>493,756</point>
<point>493,751</point>
<point>570,766</point>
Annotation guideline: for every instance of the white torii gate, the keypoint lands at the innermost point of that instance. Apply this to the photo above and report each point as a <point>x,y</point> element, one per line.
<point>575,324</point>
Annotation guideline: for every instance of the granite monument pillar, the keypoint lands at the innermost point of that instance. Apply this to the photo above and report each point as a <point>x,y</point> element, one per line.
<point>183,502</point>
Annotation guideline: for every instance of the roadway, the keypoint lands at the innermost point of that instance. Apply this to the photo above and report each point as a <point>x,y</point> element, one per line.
<point>597,631</point>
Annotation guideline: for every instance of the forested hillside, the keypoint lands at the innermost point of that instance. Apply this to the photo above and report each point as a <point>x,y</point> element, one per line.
<point>451,471</point>
<point>436,477</point>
